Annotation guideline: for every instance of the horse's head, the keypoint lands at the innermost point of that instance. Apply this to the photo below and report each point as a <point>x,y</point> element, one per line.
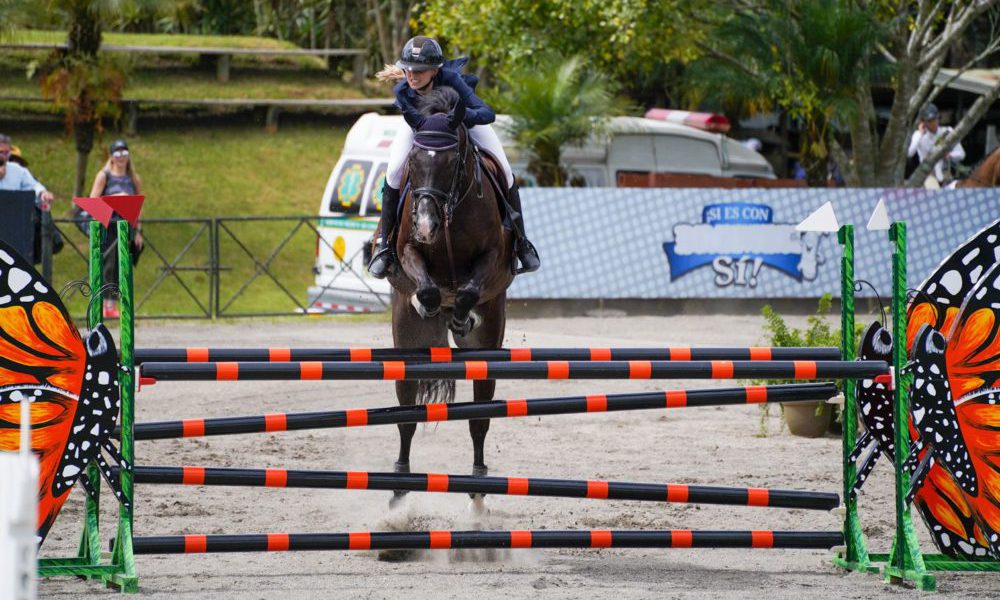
<point>437,163</point>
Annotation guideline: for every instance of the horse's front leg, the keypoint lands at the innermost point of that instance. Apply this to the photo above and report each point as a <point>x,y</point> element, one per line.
<point>427,299</point>
<point>463,319</point>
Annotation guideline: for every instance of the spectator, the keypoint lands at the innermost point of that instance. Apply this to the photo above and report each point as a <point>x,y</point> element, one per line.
<point>928,135</point>
<point>14,177</point>
<point>117,178</point>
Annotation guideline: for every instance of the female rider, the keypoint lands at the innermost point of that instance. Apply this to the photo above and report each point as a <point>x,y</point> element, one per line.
<point>424,67</point>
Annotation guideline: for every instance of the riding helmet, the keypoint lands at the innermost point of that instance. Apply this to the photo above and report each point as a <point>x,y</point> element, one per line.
<point>930,112</point>
<point>421,54</point>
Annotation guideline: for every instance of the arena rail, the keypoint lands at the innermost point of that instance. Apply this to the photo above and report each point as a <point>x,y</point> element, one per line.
<point>439,540</point>
<point>281,354</point>
<point>470,484</point>
<point>461,411</point>
<point>471,370</point>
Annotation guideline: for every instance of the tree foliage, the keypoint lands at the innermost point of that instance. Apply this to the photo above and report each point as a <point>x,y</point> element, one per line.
<point>805,58</point>
<point>555,101</point>
<point>825,61</point>
<point>630,40</point>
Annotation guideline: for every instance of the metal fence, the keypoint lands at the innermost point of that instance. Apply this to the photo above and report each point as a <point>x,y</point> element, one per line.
<point>192,268</point>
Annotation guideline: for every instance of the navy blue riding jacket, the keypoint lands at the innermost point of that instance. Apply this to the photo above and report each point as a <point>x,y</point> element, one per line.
<point>450,74</point>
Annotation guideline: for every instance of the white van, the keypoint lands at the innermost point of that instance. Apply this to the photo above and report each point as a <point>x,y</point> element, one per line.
<point>352,200</point>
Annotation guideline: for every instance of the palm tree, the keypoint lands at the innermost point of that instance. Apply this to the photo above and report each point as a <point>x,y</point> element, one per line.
<point>85,86</point>
<point>553,102</point>
<point>807,58</point>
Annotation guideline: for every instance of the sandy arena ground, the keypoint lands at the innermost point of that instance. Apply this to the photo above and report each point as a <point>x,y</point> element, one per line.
<point>721,446</point>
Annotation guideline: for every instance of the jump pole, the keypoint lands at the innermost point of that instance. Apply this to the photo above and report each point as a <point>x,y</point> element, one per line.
<point>471,370</point>
<point>438,540</point>
<point>282,354</point>
<point>463,411</point>
<point>511,486</point>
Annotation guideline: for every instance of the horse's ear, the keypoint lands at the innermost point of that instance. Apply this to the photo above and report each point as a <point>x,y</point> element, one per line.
<point>457,115</point>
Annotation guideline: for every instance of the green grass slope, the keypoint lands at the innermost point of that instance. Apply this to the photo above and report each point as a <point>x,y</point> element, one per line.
<point>204,171</point>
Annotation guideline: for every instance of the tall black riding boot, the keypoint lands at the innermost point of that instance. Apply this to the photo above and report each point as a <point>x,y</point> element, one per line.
<point>385,247</point>
<point>525,250</point>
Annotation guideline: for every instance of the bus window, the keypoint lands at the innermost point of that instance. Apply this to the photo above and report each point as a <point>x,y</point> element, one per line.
<point>347,194</point>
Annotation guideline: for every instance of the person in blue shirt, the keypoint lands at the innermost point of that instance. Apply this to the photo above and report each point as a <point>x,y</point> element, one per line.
<point>424,67</point>
<point>14,177</point>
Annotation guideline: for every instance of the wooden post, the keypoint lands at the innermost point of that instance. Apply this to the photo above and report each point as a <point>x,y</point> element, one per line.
<point>271,119</point>
<point>359,69</point>
<point>131,118</point>
<point>222,68</point>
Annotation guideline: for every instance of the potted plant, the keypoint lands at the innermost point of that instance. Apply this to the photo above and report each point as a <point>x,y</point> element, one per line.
<point>806,419</point>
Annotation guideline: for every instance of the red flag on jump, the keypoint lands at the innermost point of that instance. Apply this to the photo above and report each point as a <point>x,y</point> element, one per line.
<point>103,207</point>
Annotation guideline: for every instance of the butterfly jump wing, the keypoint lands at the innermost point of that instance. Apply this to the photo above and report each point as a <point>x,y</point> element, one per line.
<point>874,401</point>
<point>973,366</point>
<point>43,358</point>
<point>95,417</point>
<point>933,411</point>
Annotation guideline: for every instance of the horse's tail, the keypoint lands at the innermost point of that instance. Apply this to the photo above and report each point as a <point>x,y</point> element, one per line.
<point>433,391</point>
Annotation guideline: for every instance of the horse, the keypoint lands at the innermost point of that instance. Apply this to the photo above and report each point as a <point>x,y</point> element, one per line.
<point>987,174</point>
<point>455,262</point>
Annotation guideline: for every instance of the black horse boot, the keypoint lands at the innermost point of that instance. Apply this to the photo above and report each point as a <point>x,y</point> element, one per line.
<point>385,247</point>
<point>525,250</point>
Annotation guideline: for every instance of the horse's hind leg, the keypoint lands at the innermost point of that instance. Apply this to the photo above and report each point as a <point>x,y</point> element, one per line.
<point>409,330</point>
<point>406,394</point>
<point>488,335</point>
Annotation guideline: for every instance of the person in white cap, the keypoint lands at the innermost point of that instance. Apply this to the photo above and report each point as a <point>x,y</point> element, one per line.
<point>926,138</point>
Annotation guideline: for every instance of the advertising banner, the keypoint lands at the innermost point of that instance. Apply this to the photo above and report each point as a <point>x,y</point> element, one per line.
<point>708,243</point>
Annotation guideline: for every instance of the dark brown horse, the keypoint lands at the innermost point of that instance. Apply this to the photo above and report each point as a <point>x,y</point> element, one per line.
<point>987,174</point>
<point>455,258</point>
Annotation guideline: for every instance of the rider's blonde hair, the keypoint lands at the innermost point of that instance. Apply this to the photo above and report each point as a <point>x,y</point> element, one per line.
<point>390,74</point>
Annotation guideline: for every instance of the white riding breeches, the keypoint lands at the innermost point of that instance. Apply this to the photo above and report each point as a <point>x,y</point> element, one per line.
<point>483,136</point>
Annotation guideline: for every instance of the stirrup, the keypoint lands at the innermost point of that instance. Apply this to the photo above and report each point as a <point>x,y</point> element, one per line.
<point>381,262</point>
<point>527,256</point>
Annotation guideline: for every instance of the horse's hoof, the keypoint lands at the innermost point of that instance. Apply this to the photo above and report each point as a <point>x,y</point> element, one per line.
<point>427,302</point>
<point>463,329</point>
<point>398,498</point>
<point>478,505</point>
<point>459,328</point>
<point>480,470</point>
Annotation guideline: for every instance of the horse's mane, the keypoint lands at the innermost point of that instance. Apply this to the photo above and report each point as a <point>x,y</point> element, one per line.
<point>439,100</point>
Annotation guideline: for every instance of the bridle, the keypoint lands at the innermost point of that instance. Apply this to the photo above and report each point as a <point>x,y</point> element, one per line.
<point>446,202</point>
<point>451,199</point>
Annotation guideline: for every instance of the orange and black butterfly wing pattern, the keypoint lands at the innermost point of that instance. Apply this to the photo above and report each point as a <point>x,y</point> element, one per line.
<point>44,361</point>
<point>973,363</point>
<point>95,418</point>
<point>874,400</point>
<point>932,412</point>
<point>941,295</point>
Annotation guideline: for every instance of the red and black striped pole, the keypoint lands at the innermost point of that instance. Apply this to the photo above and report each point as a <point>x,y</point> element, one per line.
<point>435,540</point>
<point>398,370</point>
<point>443,354</point>
<point>468,484</point>
<point>463,411</point>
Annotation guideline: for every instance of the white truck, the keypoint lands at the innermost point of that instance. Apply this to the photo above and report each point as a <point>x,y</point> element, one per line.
<point>352,200</point>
